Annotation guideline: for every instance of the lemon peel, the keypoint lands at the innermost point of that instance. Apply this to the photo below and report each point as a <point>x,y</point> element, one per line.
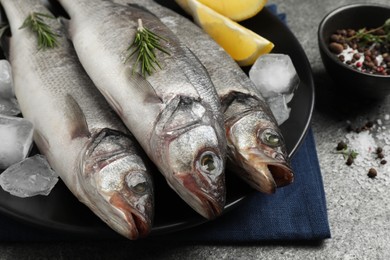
<point>237,10</point>
<point>242,44</point>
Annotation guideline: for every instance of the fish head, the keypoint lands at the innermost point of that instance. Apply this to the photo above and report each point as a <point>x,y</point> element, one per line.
<point>118,184</point>
<point>197,168</point>
<point>257,146</point>
<point>192,151</point>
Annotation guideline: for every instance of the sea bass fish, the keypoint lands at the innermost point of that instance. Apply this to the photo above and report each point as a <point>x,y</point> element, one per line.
<point>256,150</point>
<point>174,113</point>
<point>82,138</point>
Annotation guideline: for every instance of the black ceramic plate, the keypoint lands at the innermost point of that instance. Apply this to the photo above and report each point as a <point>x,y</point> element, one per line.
<point>61,211</point>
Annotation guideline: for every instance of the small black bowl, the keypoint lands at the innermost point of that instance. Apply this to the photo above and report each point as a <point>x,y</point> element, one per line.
<point>346,78</point>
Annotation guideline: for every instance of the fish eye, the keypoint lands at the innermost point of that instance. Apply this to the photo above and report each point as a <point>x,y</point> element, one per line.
<point>137,183</point>
<point>139,188</point>
<point>270,137</point>
<point>209,163</point>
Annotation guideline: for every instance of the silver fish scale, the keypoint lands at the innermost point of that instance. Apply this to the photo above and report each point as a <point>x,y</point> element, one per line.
<point>166,85</point>
<point>63,65</point>
<point>227,78</point>
<point>189,69</point>
<point>206,49</point>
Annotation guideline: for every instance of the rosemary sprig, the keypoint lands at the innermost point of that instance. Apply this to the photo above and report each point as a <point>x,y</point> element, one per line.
<point>46,37</point>
<point>145,44</point>
<point>371,36</point>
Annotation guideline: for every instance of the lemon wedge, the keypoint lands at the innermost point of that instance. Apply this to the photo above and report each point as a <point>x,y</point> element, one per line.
<point>242,44</point>
<point>237,10</point>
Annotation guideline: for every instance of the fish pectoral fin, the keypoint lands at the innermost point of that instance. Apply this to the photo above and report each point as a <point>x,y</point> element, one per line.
<point>145,89</point>
<point>42,142</point>
<point>76,117</point>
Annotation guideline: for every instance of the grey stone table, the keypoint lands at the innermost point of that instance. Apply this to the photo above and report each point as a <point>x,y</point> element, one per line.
<point>358,207</point>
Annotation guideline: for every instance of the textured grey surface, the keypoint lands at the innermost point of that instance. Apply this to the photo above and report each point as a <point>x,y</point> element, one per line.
<point>358,207</point>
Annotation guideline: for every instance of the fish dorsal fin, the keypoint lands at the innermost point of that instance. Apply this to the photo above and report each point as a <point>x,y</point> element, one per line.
<point>138,6</point>
<point>66,26</point>
<point>76,117</point>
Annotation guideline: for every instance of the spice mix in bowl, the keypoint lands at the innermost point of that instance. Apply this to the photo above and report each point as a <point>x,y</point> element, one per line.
<point>354,43</point>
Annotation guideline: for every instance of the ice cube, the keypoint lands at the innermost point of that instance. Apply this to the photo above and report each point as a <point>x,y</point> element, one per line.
<point>33,176</point>
<point>9,107</point>
<point>6,82</point>
<point>15,140</point>
<point>279,108</point>
<point>274,74</point>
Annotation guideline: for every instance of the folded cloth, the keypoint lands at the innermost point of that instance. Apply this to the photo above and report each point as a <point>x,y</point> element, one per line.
<point>294,212</point>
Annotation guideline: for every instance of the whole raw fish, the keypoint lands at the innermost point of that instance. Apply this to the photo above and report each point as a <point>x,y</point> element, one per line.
<point>82,138</point>
<point>256,150</point>
<point>174,113</point>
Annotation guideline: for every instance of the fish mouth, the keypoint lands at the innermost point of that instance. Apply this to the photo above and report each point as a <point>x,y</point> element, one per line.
<point>266,175</point>
<point>133,224</point>
<point>260,178</point>
<point>282,174</point>
<point>210,207</point>
<point>207,201</point>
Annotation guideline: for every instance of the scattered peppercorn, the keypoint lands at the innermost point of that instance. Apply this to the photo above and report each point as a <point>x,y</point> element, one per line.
<point>341,146</point>
<point>336,48</point>
<point>372,173</point>
<point>349,161</point>
<point>356,56</point>
<point>369,124</point>
<point>379,152</point>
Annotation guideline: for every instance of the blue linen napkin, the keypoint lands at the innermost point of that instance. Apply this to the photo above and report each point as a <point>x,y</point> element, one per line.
<point>295,212</point>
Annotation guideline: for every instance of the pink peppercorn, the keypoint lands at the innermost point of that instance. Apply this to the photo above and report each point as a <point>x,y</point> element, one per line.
<point>380,69</point>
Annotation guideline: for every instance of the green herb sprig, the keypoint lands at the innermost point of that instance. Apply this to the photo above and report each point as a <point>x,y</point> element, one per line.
<point>145,44</point>
<point>46,37</point>
<point>370,36</point>
<point>348,153</point>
